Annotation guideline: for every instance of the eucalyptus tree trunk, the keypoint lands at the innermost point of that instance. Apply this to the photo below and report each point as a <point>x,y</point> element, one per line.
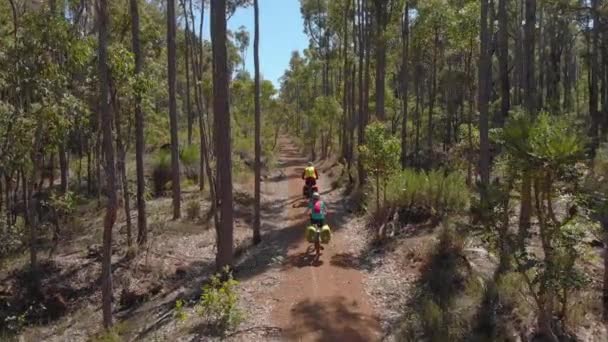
<point>221,111</point>
<point>172,70</point>
<point>405,31</point>
<point>187,37</point>
<point>142,224</point>
<point>108,149</point>
<point>525,211</point>
<point>503,57</point>
<point>484,98</point>
<point>258,146</point>
<point>381,18</point>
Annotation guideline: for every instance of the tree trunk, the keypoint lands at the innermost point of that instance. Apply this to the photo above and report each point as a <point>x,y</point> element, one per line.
<point>605,287</point>
<point>362,93</point>
<point>405,31</point>
<point>31,220</point>
<point>221,110</point>
<point>484,98</point>
<point>122,172</point>
<point>142,224</point>
<point>503,57</point>
<point>530,104</point>
<point>187,37</point>
<point>567,71</point>
<point>541,57</point>
<point>432,91</point>
<point>108,148</point>
<point>419,95</point>
<point>594,73</point>
<point>380,58</point>
<point>63,166</point>
<point>471,94</point>
<point>258,147</point>
<point>171,70</point>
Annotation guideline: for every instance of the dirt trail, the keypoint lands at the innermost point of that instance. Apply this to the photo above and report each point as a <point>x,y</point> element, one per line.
<point>320,300</point>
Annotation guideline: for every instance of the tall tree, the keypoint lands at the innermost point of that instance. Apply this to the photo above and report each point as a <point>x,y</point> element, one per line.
<point>503,57</point>
<point>258,146</point>
<point>382,12</point>
<point>484,96</point>
<point>172,70</point>
<point>108,150</point>
<point>142,224</point>
<point>221,111</point>
<point>594,71</point>
<point>405,36</point>
<point>530,99</point>
<point>187,37</point>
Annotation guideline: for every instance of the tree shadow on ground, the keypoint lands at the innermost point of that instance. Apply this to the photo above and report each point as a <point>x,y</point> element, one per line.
<point>332,319</point>
<point>444,302</point>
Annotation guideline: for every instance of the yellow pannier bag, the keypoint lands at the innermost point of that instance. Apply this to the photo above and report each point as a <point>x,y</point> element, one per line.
<point>325,234</point>
<point>310,234</point>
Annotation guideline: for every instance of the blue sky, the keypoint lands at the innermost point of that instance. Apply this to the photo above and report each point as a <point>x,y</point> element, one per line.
<point>281,32</point>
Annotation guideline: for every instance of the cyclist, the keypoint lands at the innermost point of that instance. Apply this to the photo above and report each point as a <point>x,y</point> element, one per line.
<point>310,175</point>
<point>317,209</point>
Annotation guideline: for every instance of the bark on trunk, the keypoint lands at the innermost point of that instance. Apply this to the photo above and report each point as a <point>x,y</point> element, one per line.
<point>142,223</point>
<point>380,58</point>
<point>222,135</point>
<point>484,98</point>
<point>187,37</point>
<point>503,56</point>
<point>172,70</point>
<point>108,148</point>
<point>405,30</point>
<point>63,165</point>
<point>530,104</point>
<point>258,147</point>
<point>594,76</point>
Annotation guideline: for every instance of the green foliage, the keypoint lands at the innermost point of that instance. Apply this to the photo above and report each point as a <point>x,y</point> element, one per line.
<point>442,191</point>
<point>63,204</point>
<point>548,142</point>
<point>178,312</point>
<point>161,171</point>
<point>218,304</point>
<point>189,156</point>
<point>12,236</point>
<point>193,209</point>
<point>380,155</point>
<point>381,150</point>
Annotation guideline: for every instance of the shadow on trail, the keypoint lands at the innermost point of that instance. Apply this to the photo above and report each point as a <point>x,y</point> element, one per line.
<point>332,319</point>
<point>307,258</point>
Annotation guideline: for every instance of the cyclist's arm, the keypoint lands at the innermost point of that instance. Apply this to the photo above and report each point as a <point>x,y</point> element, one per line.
<point>316,173</point>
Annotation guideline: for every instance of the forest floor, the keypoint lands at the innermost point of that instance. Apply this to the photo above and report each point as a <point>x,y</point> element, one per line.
<point>358,290</point>
<point>284,293</point>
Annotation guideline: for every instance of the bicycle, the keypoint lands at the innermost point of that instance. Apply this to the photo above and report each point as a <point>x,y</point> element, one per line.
<point>317,239</point>
<point>309,188</point>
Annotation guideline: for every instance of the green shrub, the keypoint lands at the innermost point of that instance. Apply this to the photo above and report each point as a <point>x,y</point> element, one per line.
<point>193,209</point>
<point>219,304</point>
<point>161,172</point>
<point>433,320</point>
<point>190,156</point>
<point>179,312</point>
<point>438,190</point>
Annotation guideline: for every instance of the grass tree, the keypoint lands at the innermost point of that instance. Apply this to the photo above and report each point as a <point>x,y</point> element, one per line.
<point>550,148</point>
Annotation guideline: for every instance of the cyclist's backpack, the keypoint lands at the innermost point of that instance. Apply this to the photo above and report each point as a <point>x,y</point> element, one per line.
<point>317,207</point>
